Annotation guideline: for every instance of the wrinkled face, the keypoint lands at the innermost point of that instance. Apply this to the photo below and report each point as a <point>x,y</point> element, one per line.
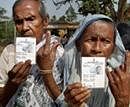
<point>97,40</point>
<point>28,20</point>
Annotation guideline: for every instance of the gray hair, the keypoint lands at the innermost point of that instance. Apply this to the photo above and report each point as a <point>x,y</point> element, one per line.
<point>42,8</point>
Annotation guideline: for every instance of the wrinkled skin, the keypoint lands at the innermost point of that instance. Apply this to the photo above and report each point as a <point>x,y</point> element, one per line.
<point>29,23</point>
<point>98,40</point>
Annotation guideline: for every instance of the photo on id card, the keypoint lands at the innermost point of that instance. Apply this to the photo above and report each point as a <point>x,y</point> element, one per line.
<point>93,72</point>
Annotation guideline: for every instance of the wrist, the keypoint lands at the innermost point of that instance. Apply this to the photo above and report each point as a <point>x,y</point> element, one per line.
<point>12,84</point>
<point>45,67</point>
<point>45,72</point>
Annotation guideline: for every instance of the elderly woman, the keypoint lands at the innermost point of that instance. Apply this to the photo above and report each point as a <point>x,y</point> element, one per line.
<point>96,37</point>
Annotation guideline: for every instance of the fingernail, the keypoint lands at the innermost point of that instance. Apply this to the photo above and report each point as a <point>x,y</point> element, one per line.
<point>109,69</point>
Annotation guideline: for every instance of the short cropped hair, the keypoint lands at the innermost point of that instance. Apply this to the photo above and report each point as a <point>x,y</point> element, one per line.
<point>42,8</point>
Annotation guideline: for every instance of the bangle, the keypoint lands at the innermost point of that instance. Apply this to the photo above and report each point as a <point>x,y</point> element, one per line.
<point>44,72</point>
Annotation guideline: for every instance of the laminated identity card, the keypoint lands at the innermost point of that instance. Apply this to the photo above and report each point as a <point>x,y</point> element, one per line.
<point>26,49</point>
<point>93,72</point>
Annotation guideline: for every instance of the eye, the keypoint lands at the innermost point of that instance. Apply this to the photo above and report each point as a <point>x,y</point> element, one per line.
<point>30,19</point>
<point>18,21</point>
<point>107,41</point>
<point>92,39</point>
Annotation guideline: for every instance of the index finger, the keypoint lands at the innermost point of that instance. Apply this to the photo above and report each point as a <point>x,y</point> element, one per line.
<point>48,40</point>
<point>127,61</point>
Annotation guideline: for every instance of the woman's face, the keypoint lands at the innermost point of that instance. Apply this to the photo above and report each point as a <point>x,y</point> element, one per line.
<point>97,40</point>
<point>28,20</point>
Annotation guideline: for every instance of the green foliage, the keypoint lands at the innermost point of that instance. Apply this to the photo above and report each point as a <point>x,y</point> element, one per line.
<point>96,6</point>
<point>7,32</point>
<point>2,12</point>
<point>62,19</point>
<point>69,16</point>
<point>89,6</point>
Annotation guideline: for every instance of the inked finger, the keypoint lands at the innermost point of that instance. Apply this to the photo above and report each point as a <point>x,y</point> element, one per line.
<point>48,40</point>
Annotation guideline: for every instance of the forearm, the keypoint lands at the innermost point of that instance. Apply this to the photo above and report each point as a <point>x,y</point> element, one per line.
<point>7,92</point>
<point>51,86</point>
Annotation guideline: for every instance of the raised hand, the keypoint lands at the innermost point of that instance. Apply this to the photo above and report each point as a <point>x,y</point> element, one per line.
<point>45,59</point>
<point>119,82</point>
<point>46,54</point>
<point>76,94</point>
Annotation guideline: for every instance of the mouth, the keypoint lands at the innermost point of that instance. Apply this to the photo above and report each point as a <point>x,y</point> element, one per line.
<point>26,35</point>
<point>96,55</point>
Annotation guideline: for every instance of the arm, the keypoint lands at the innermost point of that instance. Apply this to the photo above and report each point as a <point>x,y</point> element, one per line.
<point>51,86</point>
<point>45,60</point>
<point>7,92</point>
<point>17,75</point>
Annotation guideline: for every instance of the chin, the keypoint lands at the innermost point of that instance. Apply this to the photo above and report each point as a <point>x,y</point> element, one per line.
<point>28,35</point>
